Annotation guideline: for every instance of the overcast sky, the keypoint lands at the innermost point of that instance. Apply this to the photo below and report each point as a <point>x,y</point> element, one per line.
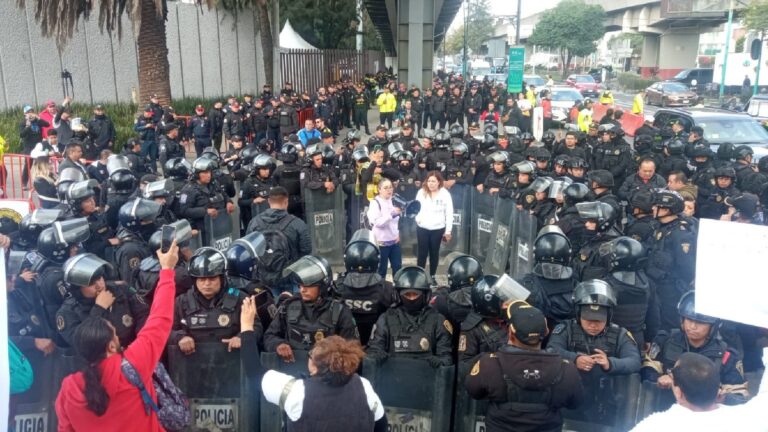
<point>509,7</point>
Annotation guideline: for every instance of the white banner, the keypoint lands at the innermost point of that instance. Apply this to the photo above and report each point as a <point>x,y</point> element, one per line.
<point>729,257</point>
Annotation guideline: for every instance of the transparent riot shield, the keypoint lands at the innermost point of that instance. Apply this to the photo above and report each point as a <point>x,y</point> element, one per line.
<point>33,409</point>
<point>324,214</point>
<point>521,249</point>
<point>407,226</point>
<point>482,222</point>
<point>502,230</point>
<point>214,381</point>
<point>611,403</point>
<point>460,195</point>
<point>469,414</point>
<point>416,396</point>
<point>217,231</point>
<point>358,207</point>
<point>271,417</point>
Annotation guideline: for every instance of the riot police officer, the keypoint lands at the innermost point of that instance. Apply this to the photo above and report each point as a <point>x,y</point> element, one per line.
<point>602,182</point>
<point>672,256</point>
<point>210,310</point>
<point>162,192</point>
<point>484,329</point>
<point>454,301</point>
<point>121,186</point>
<point>313,315</point>
<point>675,160</point>
<point>412,329</point>
<point>317,175</point>
<point>91,295</point>
<point>697,333</point>
<point>255,189</point>
<point>459,168</point>
<point>551,281</point>
<point>438,159</point>
<point>288,175</point>
<point>201,197</point>
<point>636,308</point>
<point>499,180</point>
<point>711,199</point>
<point>361,288</point>
<point>410,181</point>
<point>149,268</point>
<point>242,259</point>
<point>613,154</point>
<point>598,347</point>
<point>642,225</point>
<point>82,202</point>
<point>599,218</point>
<point>168,146</point>
<point>568,218</point>
<point>178,170</point>
<point>139,164</point>
<point>137,224</point>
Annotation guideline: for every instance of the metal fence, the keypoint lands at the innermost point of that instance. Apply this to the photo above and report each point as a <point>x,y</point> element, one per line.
<point>309,69</point>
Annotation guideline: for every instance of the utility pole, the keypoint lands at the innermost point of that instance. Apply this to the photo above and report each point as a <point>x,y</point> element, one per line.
<point>727,48</point>
<point>517,25</point>
<point>465,57</point>
<point>359,38</point>
<point>757,69</point>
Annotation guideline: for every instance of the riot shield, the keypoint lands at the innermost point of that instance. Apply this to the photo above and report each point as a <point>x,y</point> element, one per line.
<point>469,415</point>
<point>482,222</point>
<point>217,231</point>
<point>521,251</point>
<point>271,416</point>
<point>214,381</point>
<point>358,207</point>
<point>324,214</point>
<point>612,403</point>
<point>502,230</point>
<point>33,409</point>
<point>416,397</point>
<point>407,226</point>
<point>460,195</point>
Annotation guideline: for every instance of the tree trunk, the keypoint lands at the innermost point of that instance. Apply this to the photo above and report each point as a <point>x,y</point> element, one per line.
<point>567,64</point>
<point>267,43</point>
<point>154,74</point>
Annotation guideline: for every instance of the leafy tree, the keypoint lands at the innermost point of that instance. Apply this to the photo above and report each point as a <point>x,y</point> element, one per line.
<point>572,27</point>
<point>479,24</point>
<point>756,16</point>
<point>454,42</point>
<point>326,24</point>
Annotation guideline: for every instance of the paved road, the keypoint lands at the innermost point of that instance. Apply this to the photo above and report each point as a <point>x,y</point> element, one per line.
<point>624,100</point>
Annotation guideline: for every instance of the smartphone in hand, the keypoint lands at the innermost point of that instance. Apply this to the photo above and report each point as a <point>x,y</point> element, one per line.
<point>168,234</point>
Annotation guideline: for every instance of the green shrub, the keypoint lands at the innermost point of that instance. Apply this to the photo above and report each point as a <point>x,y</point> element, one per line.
<point>634,82</point>
<point>122,115</point>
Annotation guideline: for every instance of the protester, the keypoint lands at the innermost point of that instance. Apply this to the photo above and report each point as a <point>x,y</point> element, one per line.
<point>434,221</point>
<point>384,217</point>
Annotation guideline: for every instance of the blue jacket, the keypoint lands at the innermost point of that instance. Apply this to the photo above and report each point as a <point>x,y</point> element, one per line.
<point>305,135</point>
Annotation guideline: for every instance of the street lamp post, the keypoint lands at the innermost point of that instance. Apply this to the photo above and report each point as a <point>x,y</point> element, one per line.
<point>757,69</point>
<point>727,48</point>
<point>464,56</point>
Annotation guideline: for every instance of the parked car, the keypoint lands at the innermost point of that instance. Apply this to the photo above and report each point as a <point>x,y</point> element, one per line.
<point>498,77</point>
<point>695,77</point>
<point>585,84</point>
<point>563,98</point>
<point>757,107</point>
<point>720,126</point>
<point>670,93</point>
<point>535,80</point>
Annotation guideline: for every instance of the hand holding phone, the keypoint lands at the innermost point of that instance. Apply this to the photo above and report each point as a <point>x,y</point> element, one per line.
<point>168,235</point>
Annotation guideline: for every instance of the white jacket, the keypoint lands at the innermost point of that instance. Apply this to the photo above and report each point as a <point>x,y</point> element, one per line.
<point>436,213</point>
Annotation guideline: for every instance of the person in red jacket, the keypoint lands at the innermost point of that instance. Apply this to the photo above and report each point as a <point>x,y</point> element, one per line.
<point>100,398</point>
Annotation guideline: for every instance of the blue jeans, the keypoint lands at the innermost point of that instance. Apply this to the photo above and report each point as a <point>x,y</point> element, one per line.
<point>391,254</point>
<point>149,148</point>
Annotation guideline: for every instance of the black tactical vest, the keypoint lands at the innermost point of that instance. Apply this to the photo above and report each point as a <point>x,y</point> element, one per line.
<point>302,333</point>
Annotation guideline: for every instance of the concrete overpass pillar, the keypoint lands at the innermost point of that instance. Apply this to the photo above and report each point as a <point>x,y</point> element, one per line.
<point>415,41</point>
<point>677,51</point>
<point>650,56</point>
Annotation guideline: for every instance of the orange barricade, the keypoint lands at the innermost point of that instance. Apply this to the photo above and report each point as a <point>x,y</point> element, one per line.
<point>631,122</point>
<point>305,114</point>
<point>598,111</point>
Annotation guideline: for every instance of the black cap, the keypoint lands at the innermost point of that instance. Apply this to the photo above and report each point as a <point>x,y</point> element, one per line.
<point>381,128</point>
<point>698,130</point>
<point>236,138</point>
<point>526,322</point>
<point>745,203</point>
<point>326,134</point>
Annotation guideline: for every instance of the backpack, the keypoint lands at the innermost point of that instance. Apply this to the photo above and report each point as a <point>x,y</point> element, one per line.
<point>277,254</point>
<point>21,371</point>
<point>172,407</point>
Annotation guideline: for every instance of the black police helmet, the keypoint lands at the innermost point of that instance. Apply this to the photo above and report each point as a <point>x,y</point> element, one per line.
<point>33,223</point>
<point>207,262</point>
<point>155,240</point>
<point>84,269</point>
<point>203,164</point>
<point>675,147</point>
<point>594,292</point>
<point>548,137</point>
<point>138,210</point>
<point>685,308</point>
<point>243,254</point>
<point>489,141</point>
<point>411,278</point>
<point>249,154</point>
<point>178,168</point>
<point>552,246</point>
<point>575,193</point>
<point>725,151</point>
<point>485,301</point>
<point>743,152</point>
<point>602,213</point>
<point>441,139</point>
<point>311,270</point>
<point>626,254</point>
<point>670,200</point>
<point>460,147</point>
<point>725,171</point>
<point>643,143</point>
<point>288,153</point>
<point>464,271</point>
<point>577,162</point>
<point>526,136</point>
<point>123,182</point>
<point>491,129</point>
<point>456,131</point>
<point>603,178</point>
<point>362,253</point>
<point>642,199</point>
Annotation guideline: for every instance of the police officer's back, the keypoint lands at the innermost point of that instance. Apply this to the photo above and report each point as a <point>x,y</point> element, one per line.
<point>137,224</point>
<point>312,314</point>
<point>147,276</point>
<point>551,281</point>
<point>526,387</point>
<point>599,217</point>
<point>210,310</point>
<point>91,295</point>
<point>454,301</point>
<point>412,329</point>
<point>361,288</point>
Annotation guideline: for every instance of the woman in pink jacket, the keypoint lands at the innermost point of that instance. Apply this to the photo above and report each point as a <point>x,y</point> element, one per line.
<point>384,217</point>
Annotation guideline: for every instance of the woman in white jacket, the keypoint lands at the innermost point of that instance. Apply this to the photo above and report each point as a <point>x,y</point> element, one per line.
<point>434,221</point>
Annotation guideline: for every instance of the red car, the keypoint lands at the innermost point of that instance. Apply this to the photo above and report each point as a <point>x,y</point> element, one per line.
<point>585,84</point>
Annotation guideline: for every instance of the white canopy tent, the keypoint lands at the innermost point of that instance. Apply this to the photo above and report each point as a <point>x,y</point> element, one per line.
<point>289,39</point>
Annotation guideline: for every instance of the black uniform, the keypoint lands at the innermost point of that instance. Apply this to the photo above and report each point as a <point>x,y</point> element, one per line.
<point>589,263</point>
<point>301,325</point>
<point>253,187</point>
<point>288,175</point>
<point>196,199</point>
<point>552,296</point>
<point>314,178</point>
<point>169,149</point>
<point>201,130</point>
<point>636,308</point>
<point>207,320</point>
<point>672,267</point>
<point>460,170</point>
<point>642,229</point>
<point>615,157</point>
<point>148,275</point>
<point>710,202</point>
<point>133,248</point>
<point>503,182</point>
<point>127,314</point>
<point>233,124</point>
<point>426,336</point>
<point>101,232</point>
<point>480,335</point>
<point>367,295</point>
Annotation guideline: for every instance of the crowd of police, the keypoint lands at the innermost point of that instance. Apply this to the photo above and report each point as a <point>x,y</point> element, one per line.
<point>614,254</point>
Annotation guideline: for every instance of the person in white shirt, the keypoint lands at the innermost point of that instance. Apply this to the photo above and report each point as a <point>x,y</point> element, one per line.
<point>434,221</point>
<point>696,382</point>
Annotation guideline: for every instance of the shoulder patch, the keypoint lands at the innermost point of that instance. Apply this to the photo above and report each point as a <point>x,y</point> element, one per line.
<point>134,262</point>
<point>475,369</point>
<point>632,338</point>
<point>60,323</point>
<point>183,198</point>
<point>558,329</point>
<point>448,326</point>
<point>462,343</point>
<point>686,247</point>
